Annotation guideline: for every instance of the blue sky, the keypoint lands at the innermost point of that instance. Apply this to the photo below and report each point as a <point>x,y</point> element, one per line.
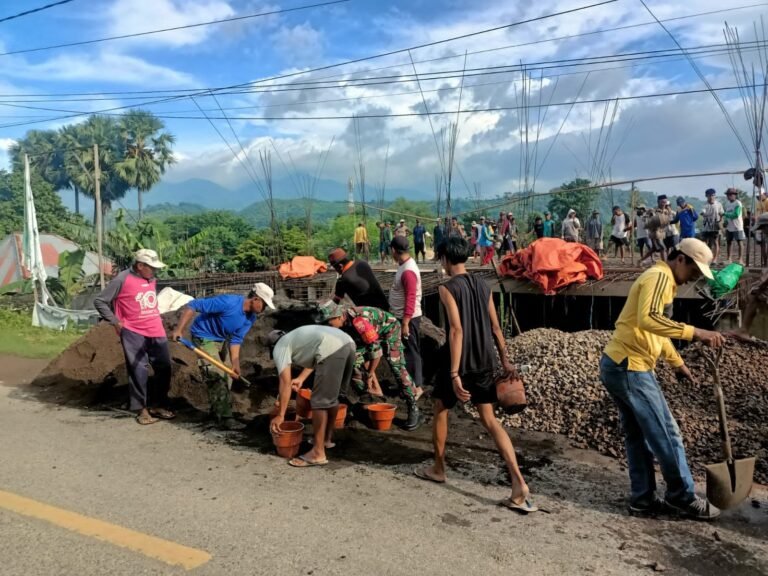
<point>655,136</point>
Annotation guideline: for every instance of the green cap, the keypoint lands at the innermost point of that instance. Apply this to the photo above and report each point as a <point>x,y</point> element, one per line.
<point>329,310</point>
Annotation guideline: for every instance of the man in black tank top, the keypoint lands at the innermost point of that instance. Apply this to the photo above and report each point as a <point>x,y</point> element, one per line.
<point>468,366</point>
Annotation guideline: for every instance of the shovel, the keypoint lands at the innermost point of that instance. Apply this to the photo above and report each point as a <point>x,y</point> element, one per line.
<point>205,356</point>
<point>728,482</point>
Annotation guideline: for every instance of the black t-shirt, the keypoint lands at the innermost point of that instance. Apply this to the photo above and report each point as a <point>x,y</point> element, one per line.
<point>478,352</point>
<point>360,284</point>
<point>538,229</point>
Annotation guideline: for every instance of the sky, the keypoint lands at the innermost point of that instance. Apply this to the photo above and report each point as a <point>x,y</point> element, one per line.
<point>527,75</point>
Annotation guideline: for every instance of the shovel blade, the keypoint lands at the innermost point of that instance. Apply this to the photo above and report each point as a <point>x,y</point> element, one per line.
<point>729,484</point>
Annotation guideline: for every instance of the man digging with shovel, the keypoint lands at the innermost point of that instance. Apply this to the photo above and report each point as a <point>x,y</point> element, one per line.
<point>642,334</point>
<point>223,320</point>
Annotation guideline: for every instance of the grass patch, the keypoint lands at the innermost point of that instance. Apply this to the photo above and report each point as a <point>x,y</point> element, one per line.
<point>19,338</point>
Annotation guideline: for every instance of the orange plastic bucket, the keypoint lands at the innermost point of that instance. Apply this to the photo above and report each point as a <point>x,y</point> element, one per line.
<point>288,440</point>
<point>381,415</point>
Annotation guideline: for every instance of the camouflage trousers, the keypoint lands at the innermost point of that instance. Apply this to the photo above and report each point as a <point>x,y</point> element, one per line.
<point>393,351</point>
<point>218,382</point>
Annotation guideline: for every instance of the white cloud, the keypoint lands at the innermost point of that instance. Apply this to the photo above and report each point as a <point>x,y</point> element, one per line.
<point>300,43</point>
<point>132,16</point>
<point>104,67</point>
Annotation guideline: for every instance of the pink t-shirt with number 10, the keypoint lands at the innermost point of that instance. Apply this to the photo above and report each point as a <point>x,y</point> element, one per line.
<point>136,307</point>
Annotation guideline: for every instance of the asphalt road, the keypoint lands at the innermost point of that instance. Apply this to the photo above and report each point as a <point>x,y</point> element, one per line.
<point>111,488</point>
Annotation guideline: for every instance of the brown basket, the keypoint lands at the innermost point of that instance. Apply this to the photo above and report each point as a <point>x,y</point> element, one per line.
<point>510,393</point>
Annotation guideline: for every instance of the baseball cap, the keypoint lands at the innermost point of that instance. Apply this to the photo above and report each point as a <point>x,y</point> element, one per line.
<point>699,252</point>
<point>402,221</point>
<point>731,191</point>
<point>641,207</point>
<point>710,192</point>
<point>328,310</point>
<point>336,256</point>
<point>148,257</point>
<point>399,243</point>
<point>265,293</point>
<point>680,201</point>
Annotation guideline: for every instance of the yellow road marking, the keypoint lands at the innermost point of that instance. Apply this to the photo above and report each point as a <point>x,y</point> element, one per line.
<point>163,550</point>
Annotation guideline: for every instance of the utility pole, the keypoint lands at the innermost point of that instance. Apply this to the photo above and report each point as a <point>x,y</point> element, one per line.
<point>99,223</point>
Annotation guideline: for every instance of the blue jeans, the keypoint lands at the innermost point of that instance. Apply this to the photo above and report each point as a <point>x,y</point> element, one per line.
<point>650,430</point>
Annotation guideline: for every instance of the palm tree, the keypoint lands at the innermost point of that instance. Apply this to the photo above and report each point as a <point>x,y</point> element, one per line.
<point>147,151</point>
<point>79,161</point>
<point>45,157</point>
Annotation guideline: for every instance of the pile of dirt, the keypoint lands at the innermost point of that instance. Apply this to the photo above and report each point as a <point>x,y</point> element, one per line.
<point>562,376</point>
<point>92,369</point>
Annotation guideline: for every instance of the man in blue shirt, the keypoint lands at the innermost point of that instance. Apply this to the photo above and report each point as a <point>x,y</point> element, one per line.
<point>418,241</point>
<point>224,319</point>
<point>686,216</point>
<point>549,226</point>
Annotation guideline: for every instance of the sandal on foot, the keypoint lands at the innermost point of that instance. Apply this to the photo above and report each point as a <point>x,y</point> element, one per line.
<point>162,413</point>
<point>525,508</point>
<point>424,474</point>
<point>302,462</point>
<point>145,419</point>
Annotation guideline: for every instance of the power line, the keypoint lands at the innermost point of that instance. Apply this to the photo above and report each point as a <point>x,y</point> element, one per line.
<point>201,90</point>
<point>35,10</point>
<point>665,54</point>
<point>326,67</point>
<point>173,29</point>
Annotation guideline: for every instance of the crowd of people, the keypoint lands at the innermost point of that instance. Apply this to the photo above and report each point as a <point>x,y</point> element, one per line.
<point>361,325</point>
<point>655,230</point>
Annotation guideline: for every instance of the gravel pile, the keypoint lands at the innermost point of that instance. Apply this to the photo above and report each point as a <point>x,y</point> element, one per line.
<point>562,376</point>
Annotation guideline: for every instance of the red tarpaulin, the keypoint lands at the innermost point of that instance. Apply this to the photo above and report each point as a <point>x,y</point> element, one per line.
<point>552,264</point>
<point>302,267</point>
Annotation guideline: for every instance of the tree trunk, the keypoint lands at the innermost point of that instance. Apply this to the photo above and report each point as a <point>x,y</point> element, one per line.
<point>138,193</point>
<point>77,200</point>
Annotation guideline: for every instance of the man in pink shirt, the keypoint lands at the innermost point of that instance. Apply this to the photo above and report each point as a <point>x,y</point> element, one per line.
<point>129,303</point>
<point>405,305</point>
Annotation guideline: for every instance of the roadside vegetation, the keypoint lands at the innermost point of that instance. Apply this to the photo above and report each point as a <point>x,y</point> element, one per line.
<point>19,338</point>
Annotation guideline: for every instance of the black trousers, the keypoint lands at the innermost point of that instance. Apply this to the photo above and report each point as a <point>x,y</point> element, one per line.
<point>412,346</point>
<point>141,352</point>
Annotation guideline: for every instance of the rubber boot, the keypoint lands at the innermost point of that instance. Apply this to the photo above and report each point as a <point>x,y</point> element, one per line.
<point>415,418</point>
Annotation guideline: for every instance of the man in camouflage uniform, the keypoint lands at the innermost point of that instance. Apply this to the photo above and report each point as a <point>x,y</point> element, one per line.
<point>375,333</point>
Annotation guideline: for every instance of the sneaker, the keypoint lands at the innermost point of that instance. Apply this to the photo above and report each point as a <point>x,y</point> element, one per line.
<point>643,510</point>
<point>697,509</point>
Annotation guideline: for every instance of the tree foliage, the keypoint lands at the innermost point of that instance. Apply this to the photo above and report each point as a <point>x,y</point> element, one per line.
<point>573,195</point>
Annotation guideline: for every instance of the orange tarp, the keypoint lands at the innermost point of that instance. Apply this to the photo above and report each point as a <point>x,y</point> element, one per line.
<point>553,264</point>
<point>302,267</point>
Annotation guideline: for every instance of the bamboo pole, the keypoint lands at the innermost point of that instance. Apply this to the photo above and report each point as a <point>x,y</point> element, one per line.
<point>99,215</point>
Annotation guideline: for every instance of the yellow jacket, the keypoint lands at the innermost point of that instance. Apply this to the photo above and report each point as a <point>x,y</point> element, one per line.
<point>643,332</point>
<point>361,235</point>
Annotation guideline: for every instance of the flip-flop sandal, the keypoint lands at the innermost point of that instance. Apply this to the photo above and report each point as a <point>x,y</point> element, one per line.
<point>525,508</point>
<point>146,420</point>
<point>163,414</point>
<point>424,475</point>
<point>302,462</point>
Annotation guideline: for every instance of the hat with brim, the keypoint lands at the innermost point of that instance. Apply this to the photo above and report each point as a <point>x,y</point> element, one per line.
<point>700,253</point>
<point>148,257</point>
<point>329,310</point>
<point>265,293</point>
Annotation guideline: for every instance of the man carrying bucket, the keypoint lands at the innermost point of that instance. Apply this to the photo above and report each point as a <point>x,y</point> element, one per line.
<point>375,333</point>
<point>642,334</point>
<point>330,354</point>
<point>468,364</point>
<point>219,329</point>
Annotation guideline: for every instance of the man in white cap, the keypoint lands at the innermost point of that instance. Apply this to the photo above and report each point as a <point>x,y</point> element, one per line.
<point>643,333</point>
<point>220,328</point>
<point>129,303</point>
<point>402,230</point>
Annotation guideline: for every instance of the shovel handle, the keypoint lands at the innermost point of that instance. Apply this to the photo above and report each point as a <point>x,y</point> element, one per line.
<point>714,362</point>
<point>205,356</point>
